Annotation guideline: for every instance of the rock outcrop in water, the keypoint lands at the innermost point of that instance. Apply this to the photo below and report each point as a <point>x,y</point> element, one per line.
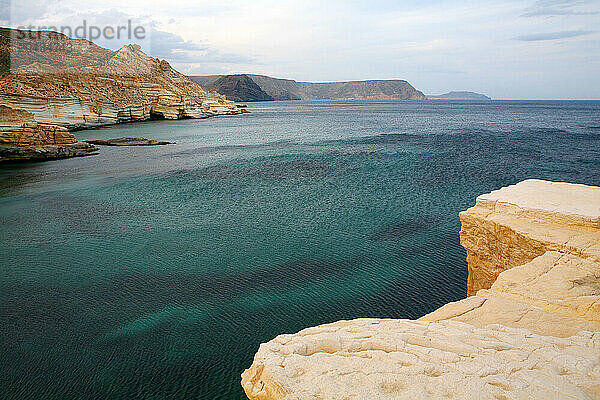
<point>532,331</point>
<point>128,141</point>
<point>458,95</point>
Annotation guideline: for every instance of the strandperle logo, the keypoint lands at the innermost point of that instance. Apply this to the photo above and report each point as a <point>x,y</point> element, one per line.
<point>127,31</point>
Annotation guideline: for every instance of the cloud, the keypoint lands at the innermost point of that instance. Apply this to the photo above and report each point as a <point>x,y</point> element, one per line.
<point>550,8</point>
<point>174,48</point>
<point>4,12</point>
<point>552,35</point>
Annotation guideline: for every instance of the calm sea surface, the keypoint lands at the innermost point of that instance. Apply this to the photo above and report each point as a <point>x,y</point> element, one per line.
<point>155,273</point>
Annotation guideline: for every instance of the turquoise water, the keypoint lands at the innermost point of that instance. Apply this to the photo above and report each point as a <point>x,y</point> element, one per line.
<point>155,273</point>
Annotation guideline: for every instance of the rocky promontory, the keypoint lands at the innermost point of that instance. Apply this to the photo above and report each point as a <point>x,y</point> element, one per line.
<point>76,84</point>
<point>529,330</point>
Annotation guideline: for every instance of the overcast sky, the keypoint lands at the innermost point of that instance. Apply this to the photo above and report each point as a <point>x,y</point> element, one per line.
<point>545,49</point>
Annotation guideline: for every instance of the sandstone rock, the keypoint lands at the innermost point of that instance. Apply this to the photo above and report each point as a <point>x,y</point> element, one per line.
<point>402,359</point>
<point>534,333</point>
<point>514,225</point>
<point>556,294</point>
<point>128,141</point>
<point>22,138</point>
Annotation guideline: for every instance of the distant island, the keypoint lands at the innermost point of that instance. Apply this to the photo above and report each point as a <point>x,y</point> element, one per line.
<point>248,87</point>
<point>459,95</point>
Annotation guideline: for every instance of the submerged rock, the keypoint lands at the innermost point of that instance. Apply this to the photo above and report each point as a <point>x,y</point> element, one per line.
<point>129,141</point>
<point>529,330</point>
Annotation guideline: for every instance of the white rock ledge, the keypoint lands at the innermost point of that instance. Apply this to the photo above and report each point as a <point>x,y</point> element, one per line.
<point>530,330</point>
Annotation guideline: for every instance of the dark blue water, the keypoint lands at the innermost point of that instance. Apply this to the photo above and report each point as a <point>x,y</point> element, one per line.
<point>154,273</point>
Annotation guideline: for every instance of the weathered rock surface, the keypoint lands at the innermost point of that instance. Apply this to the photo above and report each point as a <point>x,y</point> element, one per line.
<point>514,225</point>
<point>46,152</point>
<point>556,294</point>
<point>76,84</point>
<point>128,141</point>
<point>22,138</point>
<point>402,359</point>
<point>533,334</point>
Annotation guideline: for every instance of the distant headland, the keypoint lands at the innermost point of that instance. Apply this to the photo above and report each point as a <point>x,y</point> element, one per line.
<point>459,95</point>
<point>248,87</point>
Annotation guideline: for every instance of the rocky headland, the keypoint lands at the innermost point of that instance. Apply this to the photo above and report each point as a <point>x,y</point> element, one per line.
<point>239,88</point>
<point>287,89</point>
<point>530,328</point>
<point>75,84</point>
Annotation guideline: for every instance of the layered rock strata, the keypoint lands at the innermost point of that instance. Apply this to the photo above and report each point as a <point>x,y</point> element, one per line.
<point>77,85</point>
<point>532,333</point>
<point>22,138</point>
<point>514,225</point>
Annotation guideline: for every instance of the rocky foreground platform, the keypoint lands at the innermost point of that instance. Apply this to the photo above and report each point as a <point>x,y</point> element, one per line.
<point>529,330</point>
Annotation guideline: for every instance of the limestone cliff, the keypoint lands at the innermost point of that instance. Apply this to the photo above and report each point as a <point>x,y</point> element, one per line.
<point>76,84</point>
<point>532,331</point>
<point>514,225</point>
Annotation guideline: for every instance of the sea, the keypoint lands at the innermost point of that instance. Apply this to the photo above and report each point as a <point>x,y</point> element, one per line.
<point>156,272</point>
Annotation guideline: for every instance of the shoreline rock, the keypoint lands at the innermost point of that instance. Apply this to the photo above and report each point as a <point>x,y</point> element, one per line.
<point>128,141</point>
<point>46,152</point>
<point>529,330</point>
<point>23,139</point>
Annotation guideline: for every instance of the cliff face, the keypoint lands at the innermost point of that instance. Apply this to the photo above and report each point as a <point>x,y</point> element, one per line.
<point>287,89</point>
<point>239,88</point>
<point>76,84</point>
<point>514,225</point>
<point>534,334</point>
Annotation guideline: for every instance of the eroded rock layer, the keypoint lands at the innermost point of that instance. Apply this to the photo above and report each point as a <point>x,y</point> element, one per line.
<point>514,225</point>
<point>76,84</point>
<point>531,331</point>
<point>22,138</point>
<point>402,359</point>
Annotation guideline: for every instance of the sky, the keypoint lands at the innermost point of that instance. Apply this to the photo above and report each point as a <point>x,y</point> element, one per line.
<point>526,49</point>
